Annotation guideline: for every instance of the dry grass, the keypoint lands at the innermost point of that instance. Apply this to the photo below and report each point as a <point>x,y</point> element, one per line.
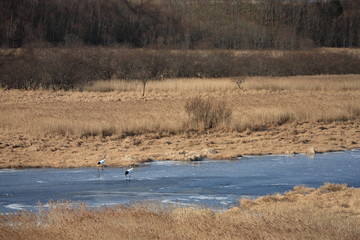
<point>300,83</point>
<point>261,116</point>
<point>306,83</point>
<point>330,212</point>
<point>108,115</point>
<point>167,85</point>
<point>88,124</point>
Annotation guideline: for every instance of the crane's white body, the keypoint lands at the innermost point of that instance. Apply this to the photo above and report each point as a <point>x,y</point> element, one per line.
<point>101,162</point>
<point>127,173</point>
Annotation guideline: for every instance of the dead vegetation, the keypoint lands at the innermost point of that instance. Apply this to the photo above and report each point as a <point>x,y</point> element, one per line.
<point>170,106</point>
<point>78,68</point>
<point>208,114</point>
<point>350,82</point>
<point>330,212</point>
<point>77,128</point>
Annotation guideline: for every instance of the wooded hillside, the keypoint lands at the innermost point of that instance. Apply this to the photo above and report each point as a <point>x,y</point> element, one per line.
<point>199,24</point>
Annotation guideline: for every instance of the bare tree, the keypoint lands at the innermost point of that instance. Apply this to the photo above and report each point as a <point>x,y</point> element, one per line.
<point>144,77</point>
<point>148,66</point>
<point>239,81</point>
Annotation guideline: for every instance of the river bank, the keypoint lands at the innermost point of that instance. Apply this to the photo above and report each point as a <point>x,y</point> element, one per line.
<point>76,129</point>
<point>21,151</point>
<point>329,212</point>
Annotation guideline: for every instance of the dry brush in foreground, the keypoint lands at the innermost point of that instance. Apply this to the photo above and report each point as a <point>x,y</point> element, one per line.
<point>329,212</point>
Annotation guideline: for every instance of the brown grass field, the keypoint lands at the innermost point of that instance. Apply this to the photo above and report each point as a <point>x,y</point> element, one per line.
<point>269,116</point>
<point>329,212</point>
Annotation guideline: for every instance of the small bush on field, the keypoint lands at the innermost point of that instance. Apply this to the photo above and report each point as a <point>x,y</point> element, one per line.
<point>331,187</point>
<point>208,113</point>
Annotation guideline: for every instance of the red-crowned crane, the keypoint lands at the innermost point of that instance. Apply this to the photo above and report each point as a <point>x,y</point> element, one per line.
<point>128,172</point>
<point>101,164</point>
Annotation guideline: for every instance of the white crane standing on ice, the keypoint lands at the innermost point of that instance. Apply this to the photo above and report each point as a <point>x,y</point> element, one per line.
<point>127,172</point>
<point>101,164</point>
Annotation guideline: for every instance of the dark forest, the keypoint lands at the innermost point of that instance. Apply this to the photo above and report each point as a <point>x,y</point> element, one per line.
<point>175,24</point>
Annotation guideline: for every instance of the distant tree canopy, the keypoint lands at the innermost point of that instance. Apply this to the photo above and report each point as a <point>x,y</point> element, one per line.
<point>186,24</point>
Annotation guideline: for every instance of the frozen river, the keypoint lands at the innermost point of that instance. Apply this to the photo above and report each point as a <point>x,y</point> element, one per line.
<point>215,184</point>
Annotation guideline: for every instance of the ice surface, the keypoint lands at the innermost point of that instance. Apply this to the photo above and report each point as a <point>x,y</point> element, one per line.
<point>219,184</point>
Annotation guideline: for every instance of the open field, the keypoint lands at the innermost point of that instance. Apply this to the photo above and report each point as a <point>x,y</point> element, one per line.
<point>329,212</point>
<point>269,116</point>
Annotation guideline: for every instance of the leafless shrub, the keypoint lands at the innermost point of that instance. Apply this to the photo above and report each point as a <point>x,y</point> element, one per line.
<point>73,68</point>
<point>239,81</point>
<point>104,63</point>
<point>67,70</point>
<point>331,187</point>
<point>21,71</point>
<point>186,65</point>
<point>56,70</point>
<point>208,113</point>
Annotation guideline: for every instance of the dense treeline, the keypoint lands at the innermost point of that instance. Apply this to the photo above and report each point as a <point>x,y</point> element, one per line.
<point>227,24</point>
<point>69,68</point>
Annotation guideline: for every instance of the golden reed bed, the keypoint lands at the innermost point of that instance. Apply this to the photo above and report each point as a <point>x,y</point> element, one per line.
<point>269,116</point>
<point>329,212</point>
